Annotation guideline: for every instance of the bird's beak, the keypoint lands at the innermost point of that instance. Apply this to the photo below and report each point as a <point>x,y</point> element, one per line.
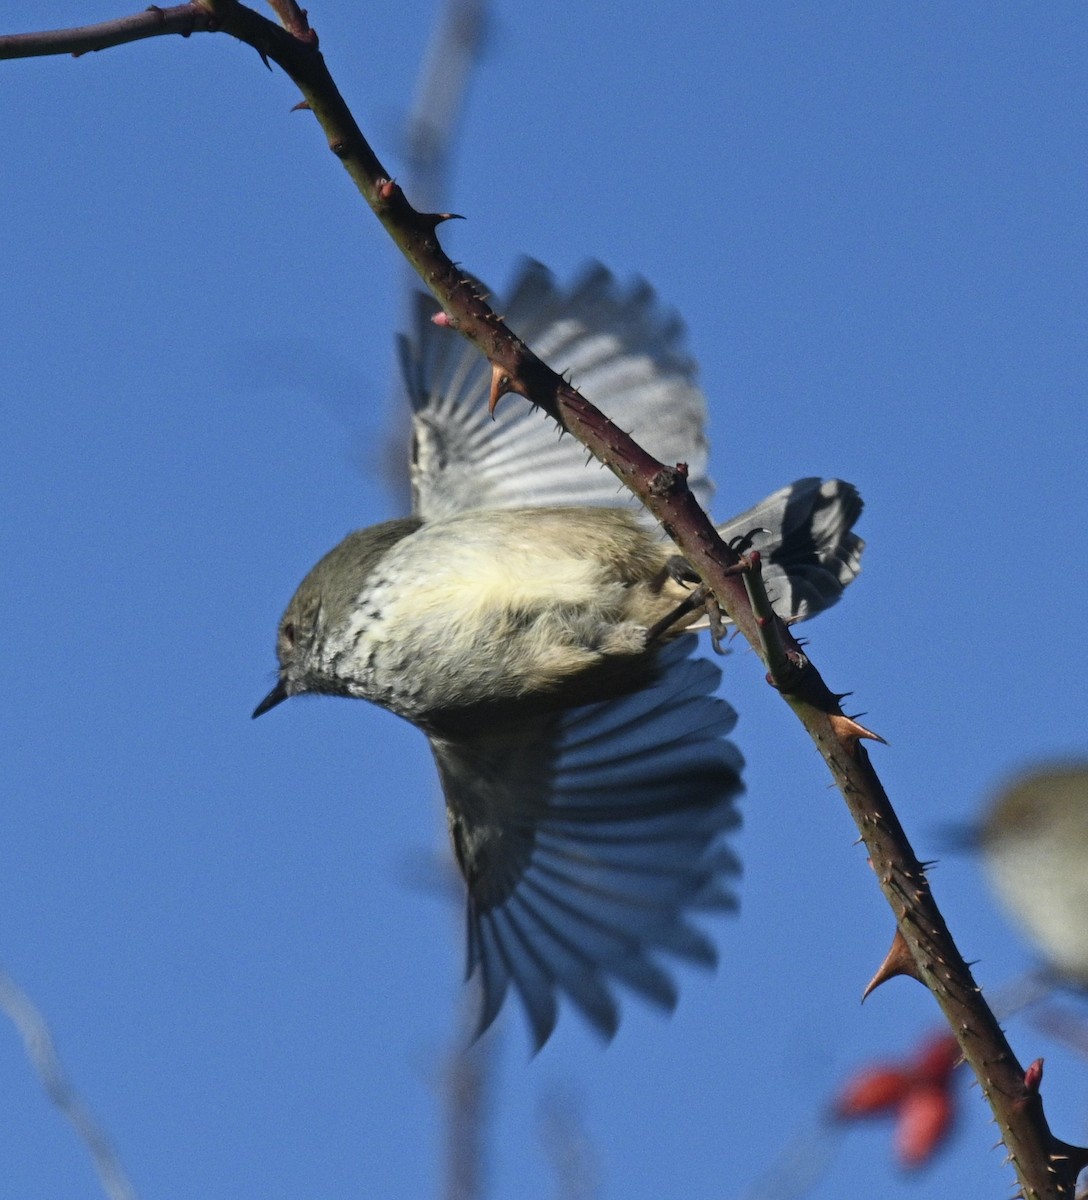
<point>958,837</point>
<point>276,696</point>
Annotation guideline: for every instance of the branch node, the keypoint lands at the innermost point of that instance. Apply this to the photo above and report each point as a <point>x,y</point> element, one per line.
<point>669,481</point>
<point>295,20</point>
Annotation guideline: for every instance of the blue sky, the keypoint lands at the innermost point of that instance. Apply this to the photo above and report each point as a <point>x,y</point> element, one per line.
<point>873,220</point>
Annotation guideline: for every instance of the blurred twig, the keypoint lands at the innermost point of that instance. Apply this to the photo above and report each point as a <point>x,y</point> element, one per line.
<point>1063,1025</point>
<point>801,1164</point>
<point>430,139</point>
<point>441,93</point>
<point>570,1151</point>
<point>468,1087</point>
<point>42,1052</point>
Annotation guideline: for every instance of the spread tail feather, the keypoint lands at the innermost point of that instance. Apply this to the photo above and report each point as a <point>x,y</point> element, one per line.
<point>805,537</point>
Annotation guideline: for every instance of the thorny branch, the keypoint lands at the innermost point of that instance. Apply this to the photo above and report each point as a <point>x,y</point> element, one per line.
<point>1046,1167</point>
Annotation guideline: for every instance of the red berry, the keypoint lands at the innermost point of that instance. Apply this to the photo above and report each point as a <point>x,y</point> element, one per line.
<point>872,1090</point>
<point>925,1119</point>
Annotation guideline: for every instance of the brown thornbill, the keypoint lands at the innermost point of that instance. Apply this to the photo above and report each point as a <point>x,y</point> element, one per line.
<point>1034,842</point>
<point>588,778</point>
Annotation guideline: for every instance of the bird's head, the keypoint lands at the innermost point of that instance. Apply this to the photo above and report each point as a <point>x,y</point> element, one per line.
<point>313,628</point>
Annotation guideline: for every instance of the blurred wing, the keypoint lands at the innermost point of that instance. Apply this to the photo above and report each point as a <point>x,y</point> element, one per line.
<point>809,550</point>
<point>586,840</point>
<point>617,347</point>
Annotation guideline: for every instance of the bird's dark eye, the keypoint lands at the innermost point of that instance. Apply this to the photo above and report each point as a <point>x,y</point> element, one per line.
<point>289,634</point>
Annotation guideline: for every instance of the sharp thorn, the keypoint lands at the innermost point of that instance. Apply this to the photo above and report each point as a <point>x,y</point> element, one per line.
<point>500,385</point>
<point>898,961</point>
<point>846,729</point>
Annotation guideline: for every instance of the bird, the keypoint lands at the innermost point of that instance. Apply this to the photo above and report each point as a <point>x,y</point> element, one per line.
<point>1033,838</point>
<point>528,617</point>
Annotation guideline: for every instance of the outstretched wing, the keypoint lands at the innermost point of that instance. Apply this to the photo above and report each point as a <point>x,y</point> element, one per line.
<point>619,349</point>
<point>588,838</point>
